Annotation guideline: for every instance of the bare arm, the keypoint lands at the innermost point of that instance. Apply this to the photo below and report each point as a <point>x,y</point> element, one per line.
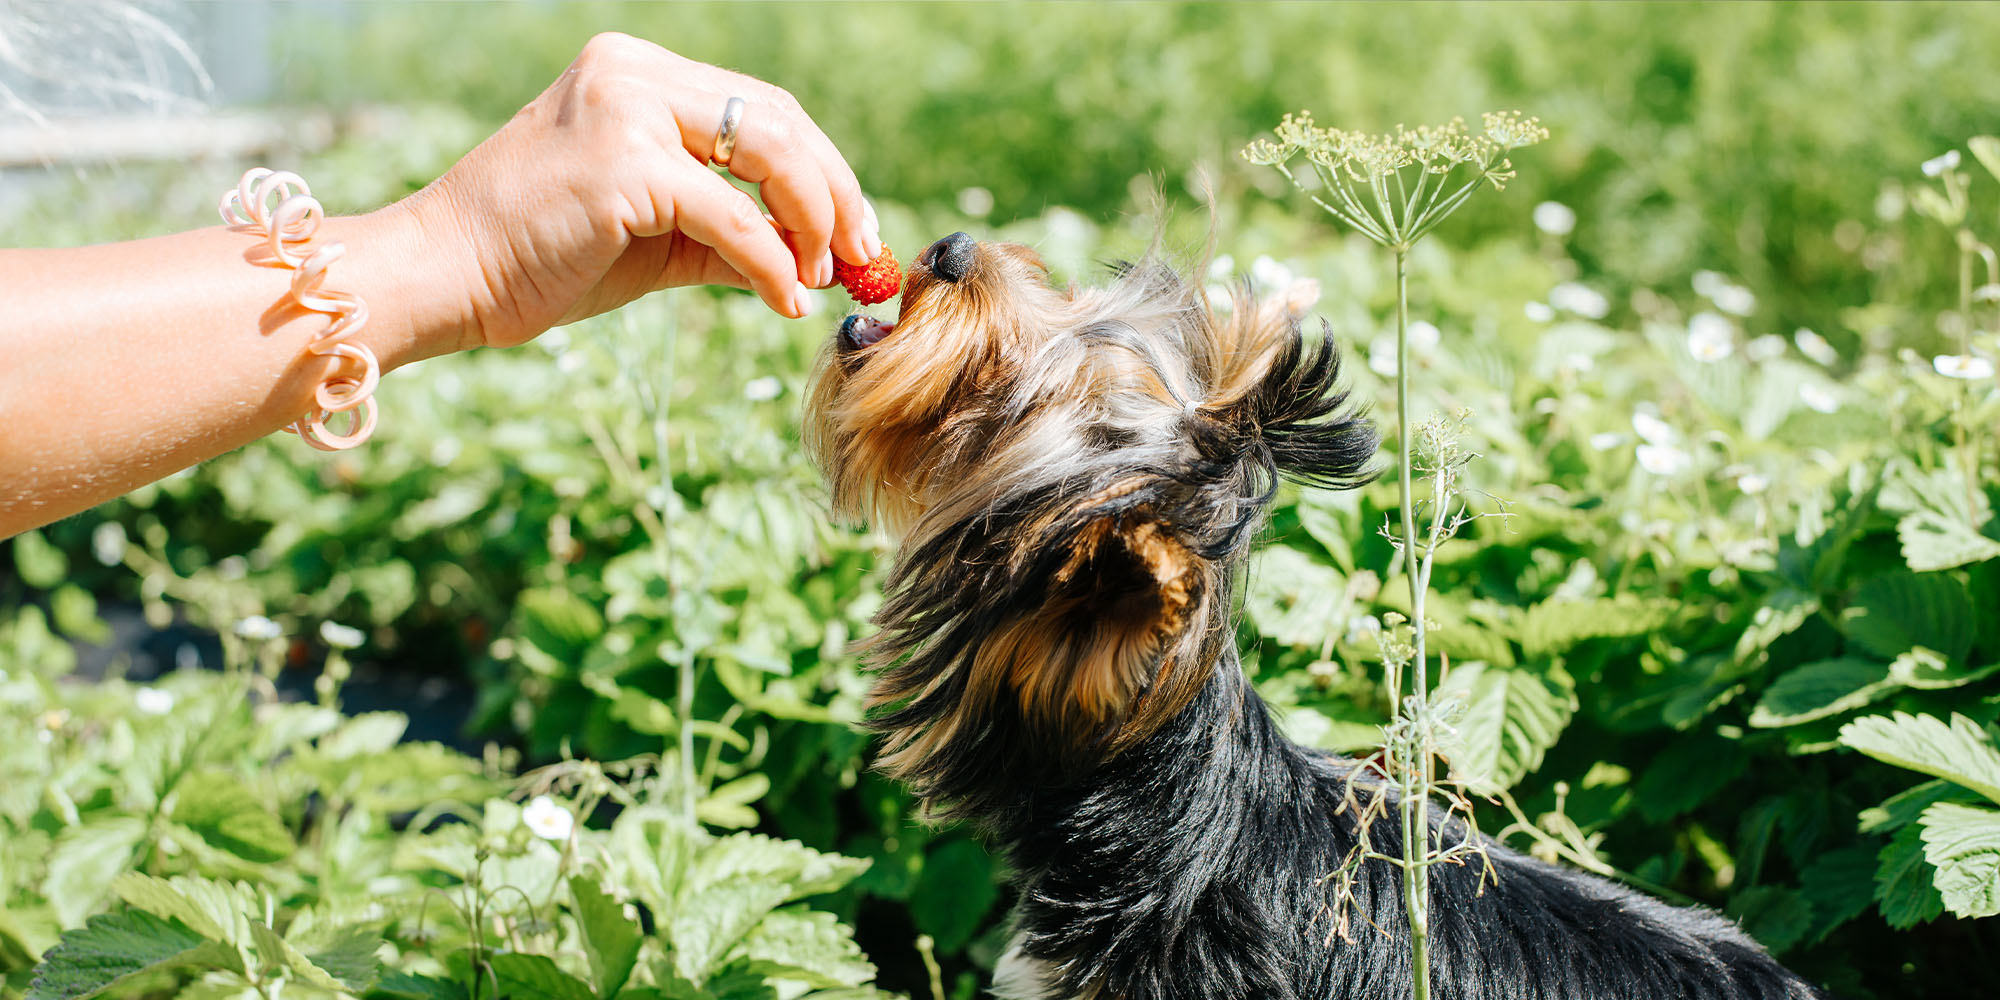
<point>123,363</point>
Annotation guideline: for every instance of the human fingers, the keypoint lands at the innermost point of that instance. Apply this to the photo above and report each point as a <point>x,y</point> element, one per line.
<point>714,213</point>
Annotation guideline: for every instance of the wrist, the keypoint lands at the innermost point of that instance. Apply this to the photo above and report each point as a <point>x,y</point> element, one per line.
<point>409,269</point>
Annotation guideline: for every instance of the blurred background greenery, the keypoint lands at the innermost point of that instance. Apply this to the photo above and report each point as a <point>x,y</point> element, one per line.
<point>552,535</point>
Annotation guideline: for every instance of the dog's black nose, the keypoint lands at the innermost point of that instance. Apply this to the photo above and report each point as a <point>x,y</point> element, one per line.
<point>950,258</point>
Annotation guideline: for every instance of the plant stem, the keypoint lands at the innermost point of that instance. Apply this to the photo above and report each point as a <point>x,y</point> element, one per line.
<point>1415,784</point>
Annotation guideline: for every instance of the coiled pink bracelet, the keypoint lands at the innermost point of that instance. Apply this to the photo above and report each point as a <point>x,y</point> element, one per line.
<point>280,207</point>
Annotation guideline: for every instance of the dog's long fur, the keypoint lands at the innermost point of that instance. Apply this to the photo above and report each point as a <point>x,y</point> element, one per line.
<point>1077,475</point>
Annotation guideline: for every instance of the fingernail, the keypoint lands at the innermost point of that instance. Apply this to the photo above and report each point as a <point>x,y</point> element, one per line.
<point>801,302</point>
<point>872,229</point>
<point>824,271</point>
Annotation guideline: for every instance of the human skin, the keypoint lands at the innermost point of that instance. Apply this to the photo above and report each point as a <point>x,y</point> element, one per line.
<point>125,362</point>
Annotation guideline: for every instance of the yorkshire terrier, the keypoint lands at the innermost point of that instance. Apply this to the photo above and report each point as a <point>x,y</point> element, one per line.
<point>1076,475</point>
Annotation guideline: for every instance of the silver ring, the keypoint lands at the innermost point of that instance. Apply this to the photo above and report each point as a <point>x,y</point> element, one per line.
<point>725,134</point>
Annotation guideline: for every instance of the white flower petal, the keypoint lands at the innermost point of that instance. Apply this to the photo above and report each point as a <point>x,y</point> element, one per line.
<point>1965,366</point>
<point>1606,440</point>
<point>1423,336</point>
<point>1540,312</point>
<point>1580,299</point>
<point>548,820</point>
<point>153,701</point>
<point>1814,346</point>
<point>1662,460</point>
<point>1555,218</point>
<point>1765,348</point>
<point>1653,430</point>
<point>258,627</point>
<point>763,388</point>
<point>1710,337</point>
<point>1937,165</point>
<point>1819,398</point>
<point>340,636</point>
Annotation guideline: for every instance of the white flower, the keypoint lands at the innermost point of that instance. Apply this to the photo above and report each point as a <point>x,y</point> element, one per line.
<point>107,543</point>
<point>1382,355</point>
<point>1727,295</point>
<point>1606,440</point>
<point>1423,336</point>
<point>1577,362</point>
<point>570,362</point>
<point>1710,337</point>
<point>153,701</point>
<point>1653,430</point>
<point>1579,299</point>
<point>1765,348</point>
<point>1269,274</point>
<point>258,627</point>
<point>1221,267</point>
<point>1819,398</point>
<point>763,388</point>
<point>1555,218</point>
<point>975,201</point>
<point>1360,627</point>
<point>1662,460</point>
<point>1752,483</point>
<point>1937,165</point>
<point>1814,346</point>
<point>547,820</point>
<point>340,636</point>
<point>1965,366</point>
<point>1538,311</point>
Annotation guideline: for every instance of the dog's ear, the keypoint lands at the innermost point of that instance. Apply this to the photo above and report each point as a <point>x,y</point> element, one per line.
<point>1279,394</point>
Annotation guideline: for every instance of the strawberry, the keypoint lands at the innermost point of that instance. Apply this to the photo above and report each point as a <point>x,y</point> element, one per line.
<point>877,281</point>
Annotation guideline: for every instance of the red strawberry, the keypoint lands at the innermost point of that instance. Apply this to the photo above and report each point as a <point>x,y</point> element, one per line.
<point>877,281</point>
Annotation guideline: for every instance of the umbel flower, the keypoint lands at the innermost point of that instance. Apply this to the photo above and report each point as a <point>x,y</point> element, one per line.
<point>1363,175</point>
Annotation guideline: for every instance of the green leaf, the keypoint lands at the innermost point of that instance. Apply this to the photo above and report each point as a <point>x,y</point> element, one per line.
<point>1986,149</point>
<point>804,871</point>
<point>1780,615</point>
<point>227,814</point>
<point>399,985</point>
<point>85,860</point>
<point>1933,541</point>
<point>1510,720</point>
<point>807,945</point>
<point>1904,807</point>
<point>711,920</point>
<point>277,953</point>
<point>537,976</point>
<point>75,613</point>
<point>558,621</point>
<point>953,893</point>
<point>1685,774</point>
<point>1925,670</point>
<point>1777,917</point>
<point>610,941</point>
<point>1840,885</point>
<point>1896,612</point>
<point>1963,844</point>
<point>729,804</point>
<point>1817,690</point>
<point>115,947</point>
<point>1959,753</point>
<point>1904,883</point>
<point>41,564</point>
<point>348,955</point>
<point>1554,626</point>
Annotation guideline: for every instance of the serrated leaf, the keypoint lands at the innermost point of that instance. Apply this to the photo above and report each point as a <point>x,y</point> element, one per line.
<point>229,816</point>
<point>1554,626</point>
<point>277,953</point>
<point>537,976</point>
<point>610,940</point>
<point>85,860</point>
<point>1963,844</point>
<point>712,919</point>
<point>348,955</point>
<point>807,945</point>
<point>1903,808</point>
<point>1958,753</point>
<point>953,893</point>
<point>1780,615</point>
<point>1685,774</point>
<point>1777,917</point>
<point>215,909</point>
<point>114,947</point>
<point>804,871</point>
<point>560,623</point>
<point>1897,612</point>
<point>1840,885</point>
<point>399,985</point>
<point>1933,541</point>
<point>1904,882</point>
<point>1509,721</point>
<point>1927,671</point>
<point>1817,690</point>
<point>729,804</point>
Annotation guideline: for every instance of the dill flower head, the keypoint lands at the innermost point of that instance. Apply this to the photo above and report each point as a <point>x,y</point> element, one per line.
<point>1363,173</point>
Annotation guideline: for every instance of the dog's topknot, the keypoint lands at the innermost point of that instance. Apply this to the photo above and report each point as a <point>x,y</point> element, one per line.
<point>1075,473</point>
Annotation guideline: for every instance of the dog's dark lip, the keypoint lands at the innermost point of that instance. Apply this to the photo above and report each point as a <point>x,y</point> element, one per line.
<point>862,330</point>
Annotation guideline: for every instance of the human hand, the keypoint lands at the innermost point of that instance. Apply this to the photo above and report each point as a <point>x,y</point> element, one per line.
<point>599,192</point>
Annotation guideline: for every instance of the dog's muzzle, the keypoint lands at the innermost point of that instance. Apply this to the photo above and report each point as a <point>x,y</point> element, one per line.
<point>861,330</point>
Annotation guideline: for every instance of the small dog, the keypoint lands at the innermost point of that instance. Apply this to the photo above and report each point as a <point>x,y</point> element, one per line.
<point>1077,475</point>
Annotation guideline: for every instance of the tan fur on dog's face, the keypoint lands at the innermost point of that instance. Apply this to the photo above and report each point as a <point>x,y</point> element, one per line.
<point>1073,472</point>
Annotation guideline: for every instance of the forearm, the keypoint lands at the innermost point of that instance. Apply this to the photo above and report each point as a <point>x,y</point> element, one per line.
<point>126,362</point>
